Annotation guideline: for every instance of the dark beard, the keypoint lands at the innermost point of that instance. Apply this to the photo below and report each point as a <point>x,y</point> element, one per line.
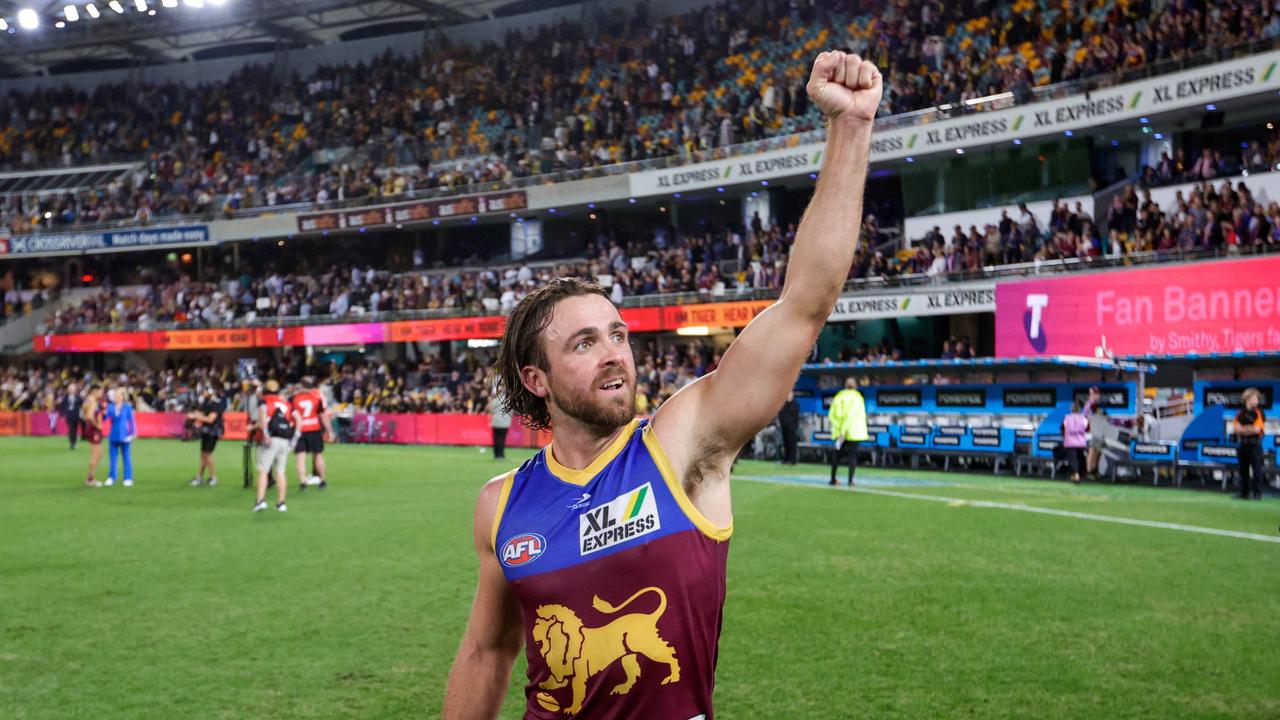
<point>606,415</point>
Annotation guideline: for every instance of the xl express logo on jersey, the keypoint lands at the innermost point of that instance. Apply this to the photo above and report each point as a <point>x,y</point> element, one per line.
<point>621,519</point>
<point>523,549</point>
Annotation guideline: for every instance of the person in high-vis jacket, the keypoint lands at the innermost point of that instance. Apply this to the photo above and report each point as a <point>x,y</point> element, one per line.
<point>848,416</point>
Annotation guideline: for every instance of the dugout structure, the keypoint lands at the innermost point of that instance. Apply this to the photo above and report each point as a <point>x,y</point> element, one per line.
<point>1002,412</point>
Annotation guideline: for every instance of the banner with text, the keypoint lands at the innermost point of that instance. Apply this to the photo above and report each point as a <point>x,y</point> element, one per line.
<point>79,242</point>
<point>1250,75</point>
<point>383,216</point>
<point>1206,307</point>
<point>942,300</point>
<point>946,300</point>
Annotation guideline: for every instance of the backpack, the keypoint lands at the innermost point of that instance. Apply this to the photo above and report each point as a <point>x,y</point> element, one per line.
<point>279,426</point>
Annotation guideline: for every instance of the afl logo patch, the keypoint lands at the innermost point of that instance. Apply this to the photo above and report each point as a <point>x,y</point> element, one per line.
<point>523,549</point>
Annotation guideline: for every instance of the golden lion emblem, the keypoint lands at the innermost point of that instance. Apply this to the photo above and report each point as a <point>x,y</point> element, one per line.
<point>575,653</point>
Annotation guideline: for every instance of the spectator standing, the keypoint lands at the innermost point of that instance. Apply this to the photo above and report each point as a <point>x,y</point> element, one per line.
<point>1075,439</point>
<point>70,408</point>
<point>499,422</point>
<point>1250,427</point>
<point>789,423</point>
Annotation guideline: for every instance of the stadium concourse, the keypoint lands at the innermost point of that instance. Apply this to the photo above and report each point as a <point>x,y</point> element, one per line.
<point>1029,448</point>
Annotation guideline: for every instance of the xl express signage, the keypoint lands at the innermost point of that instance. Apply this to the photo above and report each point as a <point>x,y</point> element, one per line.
<point>1207,307</point>
<point>1235,78</point>
<point>65,243</point>
<point>764,166</point>
<point>957,299</point>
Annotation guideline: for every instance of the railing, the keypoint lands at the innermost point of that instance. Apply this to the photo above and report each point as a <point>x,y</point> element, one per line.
<point>918,117</point>
<point>861,285</point>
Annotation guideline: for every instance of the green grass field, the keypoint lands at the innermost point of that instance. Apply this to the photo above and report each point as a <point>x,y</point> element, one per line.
<point>164,601</point>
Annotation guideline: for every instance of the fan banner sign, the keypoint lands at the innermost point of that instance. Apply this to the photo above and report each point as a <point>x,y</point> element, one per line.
<point>1207,307</point>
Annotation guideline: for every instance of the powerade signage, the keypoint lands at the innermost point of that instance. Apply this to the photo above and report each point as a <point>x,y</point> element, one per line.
<point>948,430</point>
<point>1231,397</point>
<point>962,398</point>
<point>1049,442</point>
<point>947,440</point>
<point>1109,398</point>
<point>985,433</point>
<point>1150,451</point>
<point>69,243</point>
<point>898,398</point>
<point>1218,451</point>
<point>1029,398</point>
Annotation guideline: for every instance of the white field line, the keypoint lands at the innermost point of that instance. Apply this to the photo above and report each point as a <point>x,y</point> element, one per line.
<point>1032,509</point>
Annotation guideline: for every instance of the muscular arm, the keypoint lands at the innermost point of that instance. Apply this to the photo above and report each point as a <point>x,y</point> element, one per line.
<point>706,424</point>
<point>482,668</point>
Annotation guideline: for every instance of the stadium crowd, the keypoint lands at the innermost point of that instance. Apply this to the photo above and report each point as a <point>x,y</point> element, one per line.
<point>430,385</point>
<point>1209,219</point>
<point>459,115</point>
<point>664,261</point>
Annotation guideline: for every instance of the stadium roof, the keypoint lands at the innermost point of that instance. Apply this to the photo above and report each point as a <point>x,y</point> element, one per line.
<point>216,28</point>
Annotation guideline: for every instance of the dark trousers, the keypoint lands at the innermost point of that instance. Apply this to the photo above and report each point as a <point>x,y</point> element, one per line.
<point>73,431</point>
<point>850,449</point>
<point>1251,472</point>
<point>790,439</point>
<point>499,442</point>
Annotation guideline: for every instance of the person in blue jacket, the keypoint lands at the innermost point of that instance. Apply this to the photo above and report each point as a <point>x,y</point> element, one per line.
<point>123,430</point>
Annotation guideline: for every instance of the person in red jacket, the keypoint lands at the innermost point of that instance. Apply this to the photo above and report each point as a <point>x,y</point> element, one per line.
<point>311,418</point>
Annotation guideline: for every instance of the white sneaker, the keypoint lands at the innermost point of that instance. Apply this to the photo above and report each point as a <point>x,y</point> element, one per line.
<point>128,483</point>
<point>260,506</point>
<point>281,507</point>
<point>110,482</point>
<point>195,482</point>
<point>213,482</point>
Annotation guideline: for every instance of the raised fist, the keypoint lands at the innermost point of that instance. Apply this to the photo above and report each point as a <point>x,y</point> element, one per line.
<point>845,86</point>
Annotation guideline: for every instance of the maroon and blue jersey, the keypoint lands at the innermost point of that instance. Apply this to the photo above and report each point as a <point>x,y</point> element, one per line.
<point>621,584</point>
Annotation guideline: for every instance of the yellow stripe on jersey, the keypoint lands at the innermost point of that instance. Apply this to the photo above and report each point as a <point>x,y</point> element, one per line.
<point>584,476</point>
<point>695,515</point>
<point>503,495</point>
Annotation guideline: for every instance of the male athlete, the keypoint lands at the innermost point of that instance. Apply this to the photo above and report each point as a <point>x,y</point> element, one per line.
<point>605,554</point>
<point>312,420</point>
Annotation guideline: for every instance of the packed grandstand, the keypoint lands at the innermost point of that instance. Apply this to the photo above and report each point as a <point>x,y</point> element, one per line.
<point>323,195</point>
<point>347,260</point>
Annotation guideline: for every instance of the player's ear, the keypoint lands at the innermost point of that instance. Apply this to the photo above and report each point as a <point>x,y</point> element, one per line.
<point>534,380</point>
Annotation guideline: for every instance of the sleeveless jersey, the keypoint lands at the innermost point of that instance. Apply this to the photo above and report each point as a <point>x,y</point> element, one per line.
<point>621,584</point>
<point>309,405</point>
<point>91,434</point>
